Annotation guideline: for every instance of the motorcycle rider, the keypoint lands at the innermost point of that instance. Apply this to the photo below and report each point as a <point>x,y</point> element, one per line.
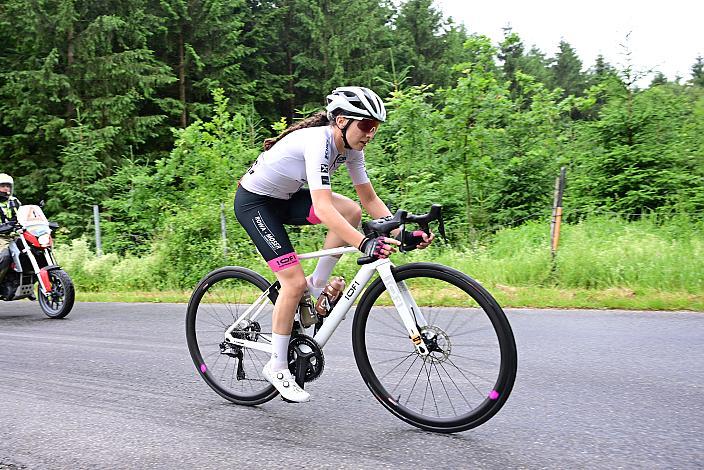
<point>8,203</point>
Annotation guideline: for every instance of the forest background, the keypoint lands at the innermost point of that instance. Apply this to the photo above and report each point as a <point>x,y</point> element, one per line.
<point>152,109</point>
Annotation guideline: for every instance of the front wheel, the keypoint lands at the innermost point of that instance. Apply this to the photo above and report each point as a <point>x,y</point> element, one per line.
<point>59,302</point>
<point>471,366</point>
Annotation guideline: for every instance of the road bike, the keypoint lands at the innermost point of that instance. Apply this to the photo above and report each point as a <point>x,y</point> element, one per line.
<point>432,345</point>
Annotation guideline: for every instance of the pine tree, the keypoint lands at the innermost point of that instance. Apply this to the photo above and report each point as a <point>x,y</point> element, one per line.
<point>71,57</point>
<point>515,60</point>
<point>267,67</point>
<point>428,43</point>
<point>201,40</point>
<point>658,79</point>
<point>600,72</point>
<point>567,71</point>
<point>698,72</point>
<point>418,29</point>
<point>511,53</point>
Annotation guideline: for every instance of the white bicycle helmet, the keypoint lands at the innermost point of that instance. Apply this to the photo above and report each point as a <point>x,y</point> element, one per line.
<point>356,102</point>
<point>7,179</point>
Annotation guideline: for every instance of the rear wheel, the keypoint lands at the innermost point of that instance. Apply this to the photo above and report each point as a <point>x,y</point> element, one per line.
<point>234,372</point>
<point>59,302</point>
<point>471,366</point>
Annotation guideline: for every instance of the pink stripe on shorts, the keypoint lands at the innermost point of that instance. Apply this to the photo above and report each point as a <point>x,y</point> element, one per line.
<point>312,218</point>
<point>284,261</point>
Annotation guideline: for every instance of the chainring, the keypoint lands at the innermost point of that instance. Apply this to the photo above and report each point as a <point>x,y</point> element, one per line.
<point>303,344</point>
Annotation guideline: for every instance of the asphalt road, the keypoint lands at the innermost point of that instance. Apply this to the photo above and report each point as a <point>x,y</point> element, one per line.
<point>113,386</point>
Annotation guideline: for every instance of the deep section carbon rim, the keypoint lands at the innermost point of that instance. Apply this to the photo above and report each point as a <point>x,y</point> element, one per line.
<point>471,367</point>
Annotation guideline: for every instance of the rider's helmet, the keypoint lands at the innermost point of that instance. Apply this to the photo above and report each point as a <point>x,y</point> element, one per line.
<point>6,180</point>
<point>355,102</point>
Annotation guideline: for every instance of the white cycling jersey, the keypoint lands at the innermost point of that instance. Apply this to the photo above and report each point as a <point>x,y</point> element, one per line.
<point>305,156</point>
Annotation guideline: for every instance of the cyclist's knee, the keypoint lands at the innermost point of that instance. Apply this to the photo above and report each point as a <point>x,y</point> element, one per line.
<point>355,215</point>
<point>293,281</point>
<point>352,212</point>
<point>349,209</point>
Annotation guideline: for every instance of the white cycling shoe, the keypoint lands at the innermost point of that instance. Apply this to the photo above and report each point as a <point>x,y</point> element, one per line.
<point>286,385</point>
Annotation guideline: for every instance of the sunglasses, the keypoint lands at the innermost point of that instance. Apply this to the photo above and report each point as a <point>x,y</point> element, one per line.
<point>368,125</point>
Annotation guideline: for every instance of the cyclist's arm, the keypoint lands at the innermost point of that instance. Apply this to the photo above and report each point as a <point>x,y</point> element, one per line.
<point>376,208</point>
<point>326,212</point>
<point>370,201</point>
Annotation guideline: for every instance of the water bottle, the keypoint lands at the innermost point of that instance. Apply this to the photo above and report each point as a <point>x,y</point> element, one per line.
<point>329,296</point>
<point>306,312</point>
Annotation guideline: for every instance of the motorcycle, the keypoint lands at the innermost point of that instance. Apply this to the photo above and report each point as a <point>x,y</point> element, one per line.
<point>33,262</point>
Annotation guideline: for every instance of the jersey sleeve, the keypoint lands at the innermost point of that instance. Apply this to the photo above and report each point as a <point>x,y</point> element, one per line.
<point>317,158</point>
<point>357,169</point>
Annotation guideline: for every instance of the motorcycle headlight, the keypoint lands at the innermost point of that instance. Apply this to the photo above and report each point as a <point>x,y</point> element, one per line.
<point>44,240</point>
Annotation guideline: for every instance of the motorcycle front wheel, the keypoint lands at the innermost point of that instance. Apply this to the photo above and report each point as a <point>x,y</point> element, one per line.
<point>59,302</point>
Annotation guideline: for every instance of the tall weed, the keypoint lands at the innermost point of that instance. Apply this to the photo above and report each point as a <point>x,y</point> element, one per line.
<point>597,253</point>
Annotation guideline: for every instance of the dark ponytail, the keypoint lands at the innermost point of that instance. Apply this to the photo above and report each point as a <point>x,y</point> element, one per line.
<point>316,120</point>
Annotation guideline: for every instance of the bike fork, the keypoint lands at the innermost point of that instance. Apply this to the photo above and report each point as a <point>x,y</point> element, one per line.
<point>406,307</point>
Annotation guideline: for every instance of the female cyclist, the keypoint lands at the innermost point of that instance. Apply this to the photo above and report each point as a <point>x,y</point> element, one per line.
<point>271,194</point>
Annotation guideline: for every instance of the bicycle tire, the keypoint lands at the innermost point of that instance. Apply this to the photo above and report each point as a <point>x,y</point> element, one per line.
<point>489,390</point>
<point>226,291</point>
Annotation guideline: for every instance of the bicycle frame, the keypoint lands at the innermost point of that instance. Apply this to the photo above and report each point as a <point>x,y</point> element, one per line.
<point>410,313</point>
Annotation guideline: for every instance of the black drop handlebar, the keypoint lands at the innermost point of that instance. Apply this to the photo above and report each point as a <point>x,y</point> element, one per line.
<point>384,226</point>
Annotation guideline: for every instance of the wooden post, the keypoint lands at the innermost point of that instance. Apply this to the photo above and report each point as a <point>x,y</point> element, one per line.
<point>557,212</point>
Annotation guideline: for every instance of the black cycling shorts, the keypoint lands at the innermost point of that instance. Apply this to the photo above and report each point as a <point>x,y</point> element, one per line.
<point>263,218</point>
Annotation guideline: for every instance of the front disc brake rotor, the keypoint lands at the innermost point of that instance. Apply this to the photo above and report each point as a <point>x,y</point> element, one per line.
<point>438,342</point>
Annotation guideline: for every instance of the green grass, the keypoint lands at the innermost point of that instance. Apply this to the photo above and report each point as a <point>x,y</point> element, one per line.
<point>507,296</point>
<point>602,262</point>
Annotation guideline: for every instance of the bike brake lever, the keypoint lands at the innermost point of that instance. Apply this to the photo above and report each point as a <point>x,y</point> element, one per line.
<point>441,227</point>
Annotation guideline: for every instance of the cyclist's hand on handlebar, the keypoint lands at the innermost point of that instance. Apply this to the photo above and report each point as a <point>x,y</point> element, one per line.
<point>6,228</point>
<point>415,239</point>
<point>378,247</point>
<point>427,240</point>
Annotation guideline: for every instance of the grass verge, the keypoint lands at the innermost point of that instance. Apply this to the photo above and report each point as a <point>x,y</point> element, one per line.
<point>507,296</point>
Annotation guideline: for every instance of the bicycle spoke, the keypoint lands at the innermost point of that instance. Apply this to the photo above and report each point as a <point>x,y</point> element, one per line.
<point>467,378</point>
<point>429,386</point>
<point>398,323</point>
<point>397,365</point>
<point>459,390</point>
<point>447,394</point>
<point>484,361</point>
<point>414,385</point>
<point>454,334</point>
<point>377,348</point>
<point>388,335</point>
<point>405,373</point>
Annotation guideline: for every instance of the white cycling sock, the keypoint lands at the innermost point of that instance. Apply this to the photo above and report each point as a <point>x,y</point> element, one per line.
<point>279,351</point>
<point>317,280</point>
